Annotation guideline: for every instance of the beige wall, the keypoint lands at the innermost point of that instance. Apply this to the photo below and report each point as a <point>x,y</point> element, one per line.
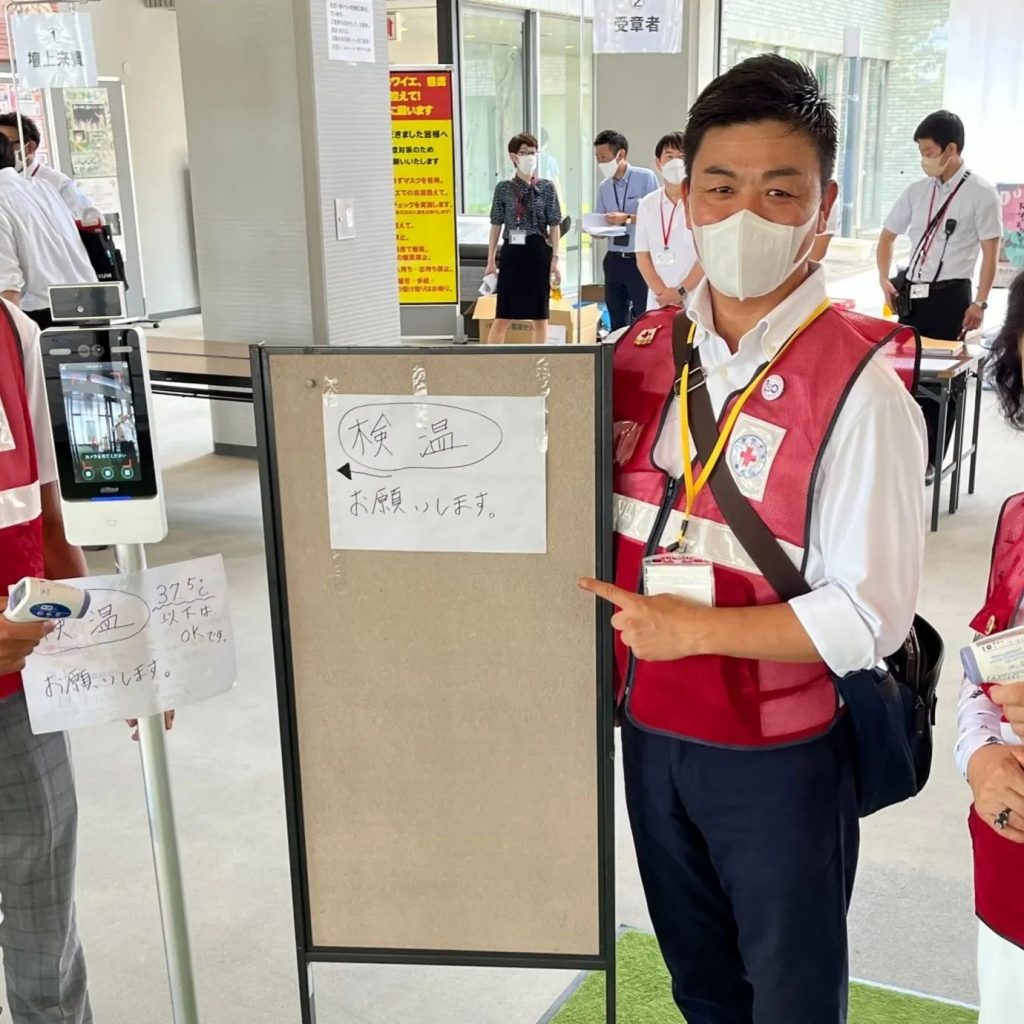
<point>140,46</point>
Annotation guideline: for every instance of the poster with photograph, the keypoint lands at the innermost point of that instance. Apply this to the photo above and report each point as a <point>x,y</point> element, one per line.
<point>91,133</point>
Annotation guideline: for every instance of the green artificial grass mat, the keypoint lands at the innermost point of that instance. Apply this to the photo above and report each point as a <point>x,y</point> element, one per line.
<point>645,996</point>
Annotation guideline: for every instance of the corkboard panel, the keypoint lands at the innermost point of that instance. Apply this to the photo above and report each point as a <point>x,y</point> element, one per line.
<point>445,705</point>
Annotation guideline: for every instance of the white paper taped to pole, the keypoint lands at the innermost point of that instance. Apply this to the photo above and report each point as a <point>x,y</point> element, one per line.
<point>444,473</point>
<point>151,641</point>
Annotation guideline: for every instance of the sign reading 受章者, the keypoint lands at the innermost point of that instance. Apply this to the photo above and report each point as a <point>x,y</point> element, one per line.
<point>436,474</point>
<point>151,641</point>
<point>350,31</point>
<point>638,26</point>
<point>54,51</point>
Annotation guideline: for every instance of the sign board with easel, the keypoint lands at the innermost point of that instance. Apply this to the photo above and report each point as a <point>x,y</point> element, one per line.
<point>444,688</point>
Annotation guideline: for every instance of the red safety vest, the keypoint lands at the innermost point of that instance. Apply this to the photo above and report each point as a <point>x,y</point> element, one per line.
<point>998,863</point>
<point>21,531</point>
<point>718,700</point>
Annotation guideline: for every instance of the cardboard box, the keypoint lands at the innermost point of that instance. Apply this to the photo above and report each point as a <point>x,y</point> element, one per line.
<point>592,293</point>
<point>562,324</point>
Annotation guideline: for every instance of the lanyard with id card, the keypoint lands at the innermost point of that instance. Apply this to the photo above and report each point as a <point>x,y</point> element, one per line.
<point>666,258</point>
<point>675,571</point>
<point>517,235</point>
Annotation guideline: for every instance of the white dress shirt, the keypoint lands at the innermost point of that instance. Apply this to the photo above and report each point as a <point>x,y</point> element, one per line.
<point>67,188</point>
<point>655,216</point>
<point>866,542</point>
<point>976,209</point>
<point>35,390</point>
<point>39,241</point>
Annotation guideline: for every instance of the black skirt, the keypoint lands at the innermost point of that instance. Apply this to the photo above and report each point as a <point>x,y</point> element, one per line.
<point>524,280</point>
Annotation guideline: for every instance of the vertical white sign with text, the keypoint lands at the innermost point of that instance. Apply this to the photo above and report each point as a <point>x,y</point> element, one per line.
<point>54,51</point>
<point>350,31</point>
<point>638,26</point>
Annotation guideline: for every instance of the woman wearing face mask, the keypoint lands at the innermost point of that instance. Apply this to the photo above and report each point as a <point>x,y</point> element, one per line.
<point>989,749</point>
<point>526,215</point>
<point>665,252</point>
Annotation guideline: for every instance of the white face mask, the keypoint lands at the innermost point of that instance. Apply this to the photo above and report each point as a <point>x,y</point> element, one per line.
<point>673,171</point>
<point>746,256</point>
<point>608,168</point>
<point>527,165</point>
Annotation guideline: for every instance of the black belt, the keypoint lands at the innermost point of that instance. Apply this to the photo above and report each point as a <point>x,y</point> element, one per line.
<point>938,286</point>
<point>622,255</point>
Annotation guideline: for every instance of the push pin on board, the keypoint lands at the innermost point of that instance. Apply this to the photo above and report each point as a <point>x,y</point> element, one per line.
<point>36,600</point>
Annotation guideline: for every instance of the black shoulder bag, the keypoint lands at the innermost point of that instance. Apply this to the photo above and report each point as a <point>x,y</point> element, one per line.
<point>892,712</point>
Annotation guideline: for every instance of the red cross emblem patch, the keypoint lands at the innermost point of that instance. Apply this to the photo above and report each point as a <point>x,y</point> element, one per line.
<point>748,456</point>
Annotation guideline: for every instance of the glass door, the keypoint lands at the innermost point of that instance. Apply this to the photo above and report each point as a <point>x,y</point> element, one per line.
<point>566,130</point>
<point>493,98</point>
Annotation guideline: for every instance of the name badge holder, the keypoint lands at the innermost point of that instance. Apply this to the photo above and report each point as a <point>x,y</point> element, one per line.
<point>517,236</point>
<point>665,258</point>
<point>920,291</point>
<point>681,575</point>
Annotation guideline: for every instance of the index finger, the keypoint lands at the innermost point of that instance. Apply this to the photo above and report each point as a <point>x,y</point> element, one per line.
<point>1007,693</point>
<point>609,592</point>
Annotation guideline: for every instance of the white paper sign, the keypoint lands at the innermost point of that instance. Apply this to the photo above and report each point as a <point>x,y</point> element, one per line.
<point>436,474</point>
<point>638,26</point>
<point>150,642</point>
<point>350,31</point>
<point>54,51</point>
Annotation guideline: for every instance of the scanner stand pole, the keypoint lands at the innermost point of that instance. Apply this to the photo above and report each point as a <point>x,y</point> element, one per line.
<point>170,891</point>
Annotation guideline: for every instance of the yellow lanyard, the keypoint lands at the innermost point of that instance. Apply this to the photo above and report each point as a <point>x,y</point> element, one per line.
<point>694,487</point>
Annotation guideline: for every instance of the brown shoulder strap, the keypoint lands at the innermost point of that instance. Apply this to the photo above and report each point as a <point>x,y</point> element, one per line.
<point>750,529</point>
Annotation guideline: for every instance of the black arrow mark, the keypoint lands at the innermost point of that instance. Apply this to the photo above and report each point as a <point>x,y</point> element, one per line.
<point>348,472</point>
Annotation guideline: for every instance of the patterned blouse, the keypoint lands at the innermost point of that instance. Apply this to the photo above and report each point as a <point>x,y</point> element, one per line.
<point>533,207</point>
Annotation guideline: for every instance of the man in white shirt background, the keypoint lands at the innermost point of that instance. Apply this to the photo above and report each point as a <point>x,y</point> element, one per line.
<point>67,188</point>
<point>951,216</point>
<point>665,252</point>
<point>39,241</point>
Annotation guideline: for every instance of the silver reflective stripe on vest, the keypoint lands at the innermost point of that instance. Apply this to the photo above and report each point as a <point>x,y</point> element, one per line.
<point>706,539</point>
<point>20,505</point>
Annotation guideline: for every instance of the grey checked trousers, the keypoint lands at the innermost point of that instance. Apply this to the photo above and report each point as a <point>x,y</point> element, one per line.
<point>43,959</point>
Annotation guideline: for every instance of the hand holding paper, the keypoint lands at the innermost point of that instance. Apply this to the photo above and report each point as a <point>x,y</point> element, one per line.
<point>150,642</point>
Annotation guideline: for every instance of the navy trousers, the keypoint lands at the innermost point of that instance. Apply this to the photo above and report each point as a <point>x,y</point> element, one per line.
<point>747,860</point>
<point>625,290</point>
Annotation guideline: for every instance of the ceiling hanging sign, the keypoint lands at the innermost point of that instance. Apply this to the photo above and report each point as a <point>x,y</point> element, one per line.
<point>54,51</point>
<point>638,26</point>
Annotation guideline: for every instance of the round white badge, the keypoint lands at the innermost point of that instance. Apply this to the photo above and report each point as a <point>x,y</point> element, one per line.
<point>772,388</point>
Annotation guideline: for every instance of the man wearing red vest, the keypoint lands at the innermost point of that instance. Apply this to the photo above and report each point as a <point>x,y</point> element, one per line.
<point>44,964</point>
<point>737,756</point>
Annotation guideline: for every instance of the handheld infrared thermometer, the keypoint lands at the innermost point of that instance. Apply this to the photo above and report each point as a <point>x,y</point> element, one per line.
<point>35,600</point>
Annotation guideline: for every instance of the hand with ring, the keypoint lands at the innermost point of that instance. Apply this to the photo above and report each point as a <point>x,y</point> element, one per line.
<point>996,775</point>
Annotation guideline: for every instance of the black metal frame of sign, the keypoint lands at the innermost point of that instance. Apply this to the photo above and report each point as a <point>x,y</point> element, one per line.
<point>604,744</point>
